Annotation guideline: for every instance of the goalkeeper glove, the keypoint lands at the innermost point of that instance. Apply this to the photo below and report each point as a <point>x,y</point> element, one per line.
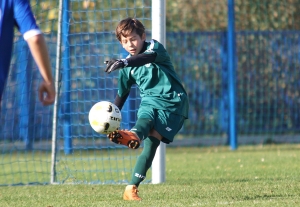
<point>115,64</point>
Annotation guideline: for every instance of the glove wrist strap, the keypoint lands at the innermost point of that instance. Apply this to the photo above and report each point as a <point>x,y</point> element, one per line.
<point>125,62</point>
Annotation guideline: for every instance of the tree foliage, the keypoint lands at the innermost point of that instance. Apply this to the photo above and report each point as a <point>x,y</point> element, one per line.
<point>211,15</point>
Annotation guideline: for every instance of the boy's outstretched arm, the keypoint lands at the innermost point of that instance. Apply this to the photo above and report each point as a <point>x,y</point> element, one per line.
<point>134,61</point>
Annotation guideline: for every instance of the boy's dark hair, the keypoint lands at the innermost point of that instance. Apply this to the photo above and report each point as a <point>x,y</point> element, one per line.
<point>128,25</point>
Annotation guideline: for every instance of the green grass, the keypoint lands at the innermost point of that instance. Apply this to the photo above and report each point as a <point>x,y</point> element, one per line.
<point>211,176</point>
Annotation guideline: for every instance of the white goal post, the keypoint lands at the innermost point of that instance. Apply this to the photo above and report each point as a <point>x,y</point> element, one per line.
<point>159,33</point>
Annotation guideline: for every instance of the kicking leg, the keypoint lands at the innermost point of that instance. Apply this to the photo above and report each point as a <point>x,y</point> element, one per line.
<point>133,137</point>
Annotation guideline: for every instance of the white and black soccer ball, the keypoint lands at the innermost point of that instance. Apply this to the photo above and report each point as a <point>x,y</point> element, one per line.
<point>105,117</point>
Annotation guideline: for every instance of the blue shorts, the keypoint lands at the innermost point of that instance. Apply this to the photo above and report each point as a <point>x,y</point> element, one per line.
<point>166,123</point>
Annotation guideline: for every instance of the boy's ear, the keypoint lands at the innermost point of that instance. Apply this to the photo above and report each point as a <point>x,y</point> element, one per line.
<point>144,37</point>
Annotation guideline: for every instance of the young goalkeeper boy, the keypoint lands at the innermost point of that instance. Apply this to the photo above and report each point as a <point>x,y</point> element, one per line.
<point>164,103</point>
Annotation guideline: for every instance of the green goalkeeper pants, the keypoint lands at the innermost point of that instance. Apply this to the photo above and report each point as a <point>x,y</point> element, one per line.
<point>165,123</point>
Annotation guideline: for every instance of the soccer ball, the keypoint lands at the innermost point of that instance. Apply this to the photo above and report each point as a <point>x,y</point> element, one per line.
<point>105,117</point>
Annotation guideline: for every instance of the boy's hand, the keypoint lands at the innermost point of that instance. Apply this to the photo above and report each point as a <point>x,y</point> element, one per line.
<point>47,93</point>
<point>115,64</point>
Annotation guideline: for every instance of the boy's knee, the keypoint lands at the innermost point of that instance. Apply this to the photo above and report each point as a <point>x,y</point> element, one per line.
<point>151,143</point>
<point>154,133</point>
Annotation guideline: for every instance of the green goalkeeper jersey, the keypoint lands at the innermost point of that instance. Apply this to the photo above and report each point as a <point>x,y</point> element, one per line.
<point>159,85</point>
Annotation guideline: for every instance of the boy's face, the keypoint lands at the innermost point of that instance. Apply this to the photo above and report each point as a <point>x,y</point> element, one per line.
<point>133,43</point>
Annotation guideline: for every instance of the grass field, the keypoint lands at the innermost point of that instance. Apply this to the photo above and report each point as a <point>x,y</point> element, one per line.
<point>206,176</point>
